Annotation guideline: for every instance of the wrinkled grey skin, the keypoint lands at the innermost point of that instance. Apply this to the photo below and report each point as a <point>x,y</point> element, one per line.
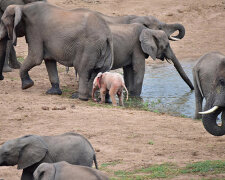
<point>83,41</point>
<point>65,171</point>
<point>148,21</point>
<point>133,43</point>
<point>10,52</point>
<point>209,83</point>
<point>30,151</point>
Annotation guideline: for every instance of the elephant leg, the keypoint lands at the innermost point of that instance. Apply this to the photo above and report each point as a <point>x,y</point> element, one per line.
<point>198,100</point>
<point>138,61</point>
<point>34,58</point>
<point>6,67</point>
<point>90,82</point>
<point>13,62</point>
<point>51,67</point>
<point>120,96</point>
<point>102,93</point>
<point>128,74</point>
<point>112,95</point>
<point>83,89</point>
<point>26,175</point>
<point>3,43</point>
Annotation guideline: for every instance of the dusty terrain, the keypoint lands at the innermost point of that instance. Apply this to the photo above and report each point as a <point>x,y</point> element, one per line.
<point>120,134</point>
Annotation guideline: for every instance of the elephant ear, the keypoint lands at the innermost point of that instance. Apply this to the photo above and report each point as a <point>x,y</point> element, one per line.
<point>99,78</point>
<point>148,43</point>
<point>11,18</point>
<point>32,152</point>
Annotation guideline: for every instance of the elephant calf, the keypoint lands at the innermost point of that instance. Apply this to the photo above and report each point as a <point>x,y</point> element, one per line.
<point>66,171</point>
<point>209,83</point>
<point>112,82</point>
<point>32,150</point>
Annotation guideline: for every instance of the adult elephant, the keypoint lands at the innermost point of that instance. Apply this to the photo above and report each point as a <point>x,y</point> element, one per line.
<point>11,53</point>
<point>150,22</point>
<point>133,43</point>
<point>209,82</point>
<point>82,40</point>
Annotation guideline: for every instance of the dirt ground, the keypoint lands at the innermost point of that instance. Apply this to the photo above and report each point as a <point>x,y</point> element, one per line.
<point>120,134</point>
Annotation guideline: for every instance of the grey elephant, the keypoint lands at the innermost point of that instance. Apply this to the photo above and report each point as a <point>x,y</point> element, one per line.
<point>150,22</point>
<point>65,171</point>
<point>30,151</point>
<point>10,53</point>
<point>209,83</point>
<point>83,41</point>
<point>133,43</point>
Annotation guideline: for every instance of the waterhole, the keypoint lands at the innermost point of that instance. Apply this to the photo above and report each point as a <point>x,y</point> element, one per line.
<point>165,91</point>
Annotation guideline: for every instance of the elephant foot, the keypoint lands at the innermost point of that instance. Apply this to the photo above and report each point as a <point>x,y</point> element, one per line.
<point>15,65</point>
<point>7,69</point>
<point>83,97</point>
<point>27,83</point>
<point>75,95</point>
<point>1,77</point>
<point>54,90</point>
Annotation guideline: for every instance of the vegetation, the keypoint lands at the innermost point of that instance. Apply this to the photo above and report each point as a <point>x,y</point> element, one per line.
<point>167,170</point>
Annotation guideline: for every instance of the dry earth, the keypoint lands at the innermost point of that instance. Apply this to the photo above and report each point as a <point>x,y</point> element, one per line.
<point>120,134</point>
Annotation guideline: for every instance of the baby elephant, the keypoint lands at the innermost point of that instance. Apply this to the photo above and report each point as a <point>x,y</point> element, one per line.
<point>30,151</point>
<point>112,82</point>
<point>65,171</point>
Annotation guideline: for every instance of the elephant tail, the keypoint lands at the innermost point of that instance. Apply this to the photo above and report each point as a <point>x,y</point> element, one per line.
<point>95,161</point>
<point>126,91</point>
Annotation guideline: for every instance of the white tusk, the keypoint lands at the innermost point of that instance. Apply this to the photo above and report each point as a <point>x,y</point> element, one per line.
<point>173,38</point>
<point>210,110</point>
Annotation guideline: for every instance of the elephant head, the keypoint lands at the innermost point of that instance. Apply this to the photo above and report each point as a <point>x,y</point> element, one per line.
<point>152,23</point>
<point>45,171</point>
<point>215,104</point>
<point>24,151</point>
<point>155,43</point>
<point>10,19</point>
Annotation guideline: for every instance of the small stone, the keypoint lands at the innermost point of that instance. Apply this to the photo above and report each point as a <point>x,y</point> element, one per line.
<point>59,108</point>
<point>73,106</point>
<point>97,150</point>
<point>45,108</point>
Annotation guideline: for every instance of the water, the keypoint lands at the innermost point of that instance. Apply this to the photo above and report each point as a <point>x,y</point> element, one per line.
<point>165,91</point>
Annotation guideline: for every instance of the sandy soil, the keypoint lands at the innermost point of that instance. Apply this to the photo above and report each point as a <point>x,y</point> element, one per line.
<point>120,134</point>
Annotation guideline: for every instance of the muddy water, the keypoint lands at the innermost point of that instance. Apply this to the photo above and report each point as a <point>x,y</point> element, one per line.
<point>165,91</point>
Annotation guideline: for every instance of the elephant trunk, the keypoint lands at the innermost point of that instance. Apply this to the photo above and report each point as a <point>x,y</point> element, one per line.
<point>176,27</point>
<point>210,124</point>
<point>179,68</point>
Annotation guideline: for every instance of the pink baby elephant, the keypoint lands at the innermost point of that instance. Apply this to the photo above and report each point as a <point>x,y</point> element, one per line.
<point>112,82</point>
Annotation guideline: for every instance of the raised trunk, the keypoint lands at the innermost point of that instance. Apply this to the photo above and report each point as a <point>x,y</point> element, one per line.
<point>210,124</point>
<point>3,44</point>
<point>177,65</point>
<point>176,27</point>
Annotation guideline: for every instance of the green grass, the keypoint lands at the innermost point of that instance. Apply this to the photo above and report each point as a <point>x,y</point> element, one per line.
<point>167,170</point>
<point>20,59</point>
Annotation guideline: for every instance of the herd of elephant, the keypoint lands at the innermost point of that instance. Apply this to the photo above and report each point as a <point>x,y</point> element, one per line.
<point>92,42</point>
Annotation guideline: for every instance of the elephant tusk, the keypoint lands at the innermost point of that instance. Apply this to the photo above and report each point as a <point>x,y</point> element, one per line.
<point>210,110</point>
<point>173,38</point>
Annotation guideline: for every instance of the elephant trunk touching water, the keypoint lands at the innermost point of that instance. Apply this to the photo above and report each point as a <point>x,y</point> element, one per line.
<point>209,82</point>
<point>170,55</point>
